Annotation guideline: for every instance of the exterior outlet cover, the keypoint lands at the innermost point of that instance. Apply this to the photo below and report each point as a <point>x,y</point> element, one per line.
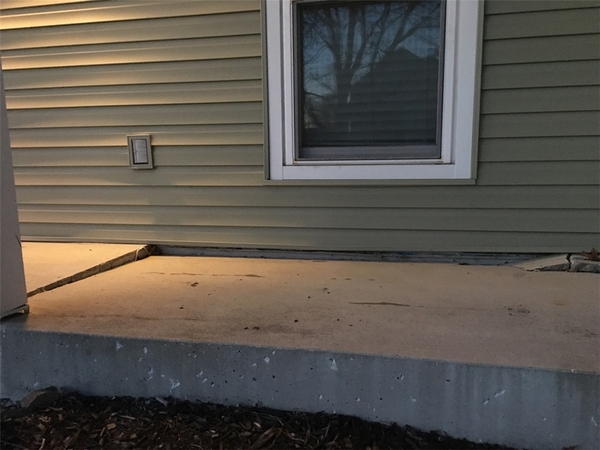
<point>140,152</point>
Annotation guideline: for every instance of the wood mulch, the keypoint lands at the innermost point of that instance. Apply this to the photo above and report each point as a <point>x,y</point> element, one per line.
<point>75,421</point>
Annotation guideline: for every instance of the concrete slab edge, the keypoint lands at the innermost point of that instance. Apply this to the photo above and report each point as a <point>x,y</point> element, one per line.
<point>549,263</point>
<point>520,407</point>
<point>560,263</point>
<point>141,253</point>
<point>580,263</point>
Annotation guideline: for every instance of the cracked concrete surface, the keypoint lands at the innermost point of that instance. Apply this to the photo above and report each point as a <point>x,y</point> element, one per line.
<point>477,314</point>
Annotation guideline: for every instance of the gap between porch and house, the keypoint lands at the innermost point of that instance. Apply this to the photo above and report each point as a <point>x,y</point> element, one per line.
<point>74,262</point>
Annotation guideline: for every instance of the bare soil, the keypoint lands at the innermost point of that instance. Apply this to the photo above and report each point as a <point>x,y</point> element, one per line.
<point>75,421</point>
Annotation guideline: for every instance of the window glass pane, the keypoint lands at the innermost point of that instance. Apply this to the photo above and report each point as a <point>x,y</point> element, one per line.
<point>368,73</point>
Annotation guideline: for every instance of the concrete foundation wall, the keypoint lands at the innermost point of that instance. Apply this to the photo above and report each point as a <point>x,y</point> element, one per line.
<point>520,407</point>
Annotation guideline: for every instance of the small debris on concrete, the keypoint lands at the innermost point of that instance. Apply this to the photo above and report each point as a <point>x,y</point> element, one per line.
<point>592,255</point>
<point>517,310</point>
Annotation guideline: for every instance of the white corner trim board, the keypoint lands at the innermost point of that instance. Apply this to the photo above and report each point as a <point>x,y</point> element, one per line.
<point>13,296</point>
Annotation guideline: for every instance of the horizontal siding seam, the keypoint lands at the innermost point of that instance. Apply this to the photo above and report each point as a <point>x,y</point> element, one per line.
<point>36,10</point>
<point>260,183</point>
<point>458,208</point>
<point>541,88</point>
<point>139,105</point>
<point>58,88</point>
<point>23,52</point>
<point>163,128</point>
<point>575,8</point>
<point>60,50</point>
<point>539,63</point>
<point>308,229</point>
<point>541,10</point>
<point>96,66</point>
<point>545,111</point>
<point>145,208</point>
<point>538,37</point>
<point>85,4</point>
<point>505,64</point>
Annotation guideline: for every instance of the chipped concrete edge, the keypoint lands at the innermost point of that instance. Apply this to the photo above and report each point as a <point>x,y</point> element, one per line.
<point>127,258</point>
<point>560,263</point>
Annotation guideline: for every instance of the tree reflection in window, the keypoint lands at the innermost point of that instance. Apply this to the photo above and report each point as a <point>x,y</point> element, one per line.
<point>369,73</point>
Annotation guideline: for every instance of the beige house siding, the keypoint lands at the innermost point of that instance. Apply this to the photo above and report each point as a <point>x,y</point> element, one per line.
<point>80,76</point>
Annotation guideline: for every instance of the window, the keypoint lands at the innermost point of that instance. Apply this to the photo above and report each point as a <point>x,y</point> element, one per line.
<point>372,89</point>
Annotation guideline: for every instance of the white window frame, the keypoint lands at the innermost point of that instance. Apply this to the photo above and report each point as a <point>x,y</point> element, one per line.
<point>460,111</point>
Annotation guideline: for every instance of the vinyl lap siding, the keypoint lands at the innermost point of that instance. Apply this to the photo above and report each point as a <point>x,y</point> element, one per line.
<point>83,75</point>
<point>540,109</point>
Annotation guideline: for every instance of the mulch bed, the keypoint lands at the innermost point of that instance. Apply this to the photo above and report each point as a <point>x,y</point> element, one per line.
<point>76,421</point>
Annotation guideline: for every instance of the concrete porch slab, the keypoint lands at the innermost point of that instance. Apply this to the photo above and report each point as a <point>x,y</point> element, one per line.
<point>490,353</point>
<point>475,314</point>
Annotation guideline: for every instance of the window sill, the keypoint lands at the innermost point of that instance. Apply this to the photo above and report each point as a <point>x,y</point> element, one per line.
<point>370,182</point>
<point>376,170</point>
